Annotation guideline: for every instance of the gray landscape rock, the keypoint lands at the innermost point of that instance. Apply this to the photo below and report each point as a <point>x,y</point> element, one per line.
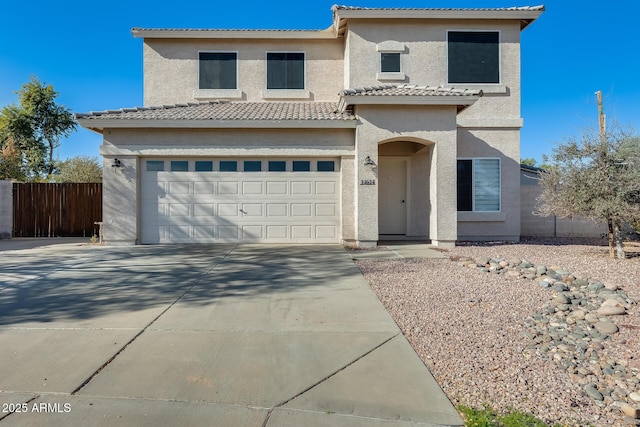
<point>593,392</point>
<point>606,327</point>
<point>611,310</point>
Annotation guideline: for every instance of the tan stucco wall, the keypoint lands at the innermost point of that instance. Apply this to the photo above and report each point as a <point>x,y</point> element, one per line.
<point>120,201</point>
<point>425,59</point>
<point>505,145</point>
<point>429,125</point>
<point>171,67</point>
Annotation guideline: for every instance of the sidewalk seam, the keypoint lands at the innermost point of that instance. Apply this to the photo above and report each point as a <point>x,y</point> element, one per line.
<point>333,374</point>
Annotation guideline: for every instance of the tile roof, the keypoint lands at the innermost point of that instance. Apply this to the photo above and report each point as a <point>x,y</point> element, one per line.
<point>254,30</point>
<point>409,90</point>
<point>225,110</point>
<point>497,9</point>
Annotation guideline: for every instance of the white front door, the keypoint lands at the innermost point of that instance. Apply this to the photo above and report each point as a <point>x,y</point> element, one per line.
<point>392,195</point>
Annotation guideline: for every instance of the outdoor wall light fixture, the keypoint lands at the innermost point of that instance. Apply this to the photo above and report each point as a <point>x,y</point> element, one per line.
<point>116,164</point>
<point>369,162</point>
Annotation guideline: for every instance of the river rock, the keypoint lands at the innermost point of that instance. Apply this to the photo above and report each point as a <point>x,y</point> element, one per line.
<point>606,327</point>
<point>635,396</point>
<point>593,392</point>
<point>611,310</point>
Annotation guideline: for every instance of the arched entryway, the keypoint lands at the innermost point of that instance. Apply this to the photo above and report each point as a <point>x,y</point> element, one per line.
<point>404,205</point>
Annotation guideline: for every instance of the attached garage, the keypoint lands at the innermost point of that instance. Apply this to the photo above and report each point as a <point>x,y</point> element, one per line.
<point>248,200</point>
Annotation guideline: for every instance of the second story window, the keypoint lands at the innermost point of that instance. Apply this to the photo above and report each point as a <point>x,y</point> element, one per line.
<point>390,62</point>
<point>285,70</point>
<point>218,70</point>
<point>474,56</point>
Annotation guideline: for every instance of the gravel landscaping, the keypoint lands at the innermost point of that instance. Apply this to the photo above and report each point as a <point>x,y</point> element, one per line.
<point>547,326</point>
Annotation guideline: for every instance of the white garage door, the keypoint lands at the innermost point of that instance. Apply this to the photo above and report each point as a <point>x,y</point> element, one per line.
<point>240,200</point>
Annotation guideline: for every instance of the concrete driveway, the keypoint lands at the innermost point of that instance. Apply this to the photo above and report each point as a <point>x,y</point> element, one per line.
<point>222,335</point>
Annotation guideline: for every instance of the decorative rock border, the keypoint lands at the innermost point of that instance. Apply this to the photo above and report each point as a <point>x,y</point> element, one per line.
<point>573,328</point>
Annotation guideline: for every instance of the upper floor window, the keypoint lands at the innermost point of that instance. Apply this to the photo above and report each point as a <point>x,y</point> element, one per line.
<point>390,62</point>
<point>218,70</point>
<point>474,56</point>
<point>285,70</point>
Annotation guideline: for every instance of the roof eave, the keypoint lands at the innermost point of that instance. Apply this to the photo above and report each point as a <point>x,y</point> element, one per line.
<point>461,102</point>
<point>98,125</point>
<point>526,17</point>
<point>160,33</point>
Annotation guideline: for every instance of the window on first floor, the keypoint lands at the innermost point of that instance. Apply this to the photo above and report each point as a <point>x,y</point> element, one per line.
<point>155,165</point>
<point>218,70</point>
<point>478,185</point>
<point>474,56</point>
<point>285,70</point>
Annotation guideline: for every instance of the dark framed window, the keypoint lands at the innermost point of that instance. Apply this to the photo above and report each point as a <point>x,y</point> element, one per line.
<point>228,166</point>
<point>155,165</point>
<point>285,70</point>
<point>204,166</point>
<point>218,70</point>
<point>179,166</point>
<point>390,62</point>
<point>252,166</point>
<point>301,165</point>
<point>326,166</point>
<point>277,166</point>
<point>478,185</point>
<point>474,56</point>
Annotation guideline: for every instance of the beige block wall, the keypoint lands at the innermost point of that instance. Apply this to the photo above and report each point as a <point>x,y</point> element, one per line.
<point>505,145</point>
<point>551,226</point>
<point>425,59</point>
<point>171,67</point>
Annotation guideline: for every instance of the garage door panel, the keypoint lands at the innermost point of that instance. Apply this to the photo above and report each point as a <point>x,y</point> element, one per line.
<point>301,209</point>
<point>179,209</point>
<point>202,187</point>
<point>301,231</point>
<point>252,187</point>
<point>277,188</point>
<point>228,209</point>
<point>301,187</point>
<point>252,232</point>
<point>179,187</point>
<point>326,209</point>
<point>230,187</point>
<point>228,232</point>
<point>252,209</point>
<point>276,207</point>
<point>202,209</point>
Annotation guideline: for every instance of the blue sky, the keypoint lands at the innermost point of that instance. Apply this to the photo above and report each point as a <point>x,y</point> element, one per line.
<point>87,52</point>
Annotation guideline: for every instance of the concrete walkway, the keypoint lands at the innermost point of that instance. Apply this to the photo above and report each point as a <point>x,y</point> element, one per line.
<point>399,250</point>
<point>225,335</point>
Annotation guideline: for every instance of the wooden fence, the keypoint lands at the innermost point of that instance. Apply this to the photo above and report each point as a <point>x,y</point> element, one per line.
<point>56,210</point>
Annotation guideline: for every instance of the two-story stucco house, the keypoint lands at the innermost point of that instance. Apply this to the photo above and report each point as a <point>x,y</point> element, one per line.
<point>390,123</point>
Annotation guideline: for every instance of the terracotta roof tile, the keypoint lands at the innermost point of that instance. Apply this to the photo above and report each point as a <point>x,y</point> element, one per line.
<point>409,90</point>
<point>224,110</point>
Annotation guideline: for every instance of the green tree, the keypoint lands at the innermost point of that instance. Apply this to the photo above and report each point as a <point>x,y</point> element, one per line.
<point>79,169</point>
<point>36,126</point>
<point>595,177</point>
<point>529,161</point>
